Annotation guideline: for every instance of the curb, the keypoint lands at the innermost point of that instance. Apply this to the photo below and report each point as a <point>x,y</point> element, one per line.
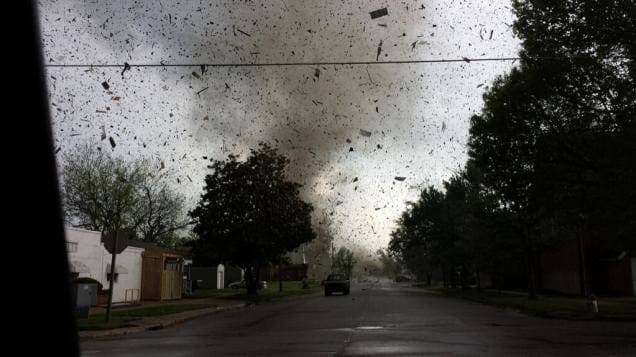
<point>160,323</point>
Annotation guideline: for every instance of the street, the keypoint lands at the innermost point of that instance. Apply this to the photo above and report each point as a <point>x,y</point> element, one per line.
<point>376,319</point>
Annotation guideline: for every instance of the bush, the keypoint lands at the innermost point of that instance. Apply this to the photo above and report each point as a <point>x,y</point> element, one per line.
<point>87,280</point>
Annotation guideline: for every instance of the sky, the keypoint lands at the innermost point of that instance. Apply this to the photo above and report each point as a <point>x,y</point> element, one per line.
<point>349,130</point>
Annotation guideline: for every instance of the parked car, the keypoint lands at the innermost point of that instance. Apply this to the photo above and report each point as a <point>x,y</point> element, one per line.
<point>243,285</point>
<point>336,283</point>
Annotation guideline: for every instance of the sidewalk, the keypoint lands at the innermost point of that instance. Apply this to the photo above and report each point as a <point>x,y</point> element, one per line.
<point>205,300</point>
<point>157,323</point>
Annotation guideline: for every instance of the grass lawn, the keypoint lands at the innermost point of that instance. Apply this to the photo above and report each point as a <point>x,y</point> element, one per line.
<point>122,318</point>
<point>562,307</point>
<point>98,322</point>
<point>290,288</point>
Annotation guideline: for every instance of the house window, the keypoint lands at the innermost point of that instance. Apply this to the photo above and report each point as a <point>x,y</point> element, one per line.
<point>71,247</point>
<point>116,277</point>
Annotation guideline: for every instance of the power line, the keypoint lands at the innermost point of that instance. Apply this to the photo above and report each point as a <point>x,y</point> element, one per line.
<point>342,63</point>
<point>281,64</point>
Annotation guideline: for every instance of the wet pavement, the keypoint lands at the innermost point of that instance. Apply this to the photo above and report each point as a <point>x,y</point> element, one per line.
<point>376,319</point>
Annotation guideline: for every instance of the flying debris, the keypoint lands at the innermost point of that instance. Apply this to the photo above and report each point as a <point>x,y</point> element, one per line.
<point>105,85</point>
<point>379,13</point>
<point>400,178</point>
<point>244,33</point>
<point>126,68</point>
<point>365,133</point>
<point>202,90</point>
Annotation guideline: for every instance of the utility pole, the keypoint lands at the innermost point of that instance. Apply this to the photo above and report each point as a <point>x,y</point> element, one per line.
<point>111,283</point>
<point>332,255</point>
<point>582,266</point>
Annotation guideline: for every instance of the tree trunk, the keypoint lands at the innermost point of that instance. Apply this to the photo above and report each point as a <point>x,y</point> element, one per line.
<point>531,269</point>
<point>453,278</point>
<point>478,279</point>
<point>464,278</point>
<point>249,282</point>
<point>530,263</point>
<point>111,283</point>
<point>582,267</point>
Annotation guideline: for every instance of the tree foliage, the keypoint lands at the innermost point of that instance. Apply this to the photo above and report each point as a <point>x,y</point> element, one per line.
<point>100,192</point>
<point>550,154</point>
<point>105,193</point>
<point>249,213</point>
<point>344,261</point>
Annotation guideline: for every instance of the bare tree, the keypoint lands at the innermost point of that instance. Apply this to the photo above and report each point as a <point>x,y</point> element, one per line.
<point>159,214</point>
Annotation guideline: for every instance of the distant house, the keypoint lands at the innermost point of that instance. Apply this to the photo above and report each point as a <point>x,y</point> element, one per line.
<point>88,258</point>
<point>232,274</point>
<point>608,271</point>
<point>208,277</point>
<point>295,268</point>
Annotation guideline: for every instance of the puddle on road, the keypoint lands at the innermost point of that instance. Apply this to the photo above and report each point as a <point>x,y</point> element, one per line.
<point>358,328</point>
<point>369,328</point>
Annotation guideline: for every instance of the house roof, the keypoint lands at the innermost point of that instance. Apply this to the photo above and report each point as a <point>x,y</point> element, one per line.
<point>154,247</point>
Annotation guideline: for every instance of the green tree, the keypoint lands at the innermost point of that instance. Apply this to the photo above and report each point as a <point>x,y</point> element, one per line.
<point>536,137</point>
<point>421,239</point>
<point>105,193</point>
<point>459,233</point>
<point>100,192</point>
<point>390,265</point>
<point>249,214</point>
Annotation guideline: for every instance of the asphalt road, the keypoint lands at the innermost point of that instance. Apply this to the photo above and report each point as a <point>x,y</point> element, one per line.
<point>376,319</point>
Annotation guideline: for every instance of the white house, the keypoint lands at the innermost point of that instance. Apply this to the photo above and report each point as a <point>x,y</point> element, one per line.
<point>89,258</point>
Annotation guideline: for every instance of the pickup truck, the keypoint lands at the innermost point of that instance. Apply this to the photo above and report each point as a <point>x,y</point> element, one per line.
<point>336,282</point>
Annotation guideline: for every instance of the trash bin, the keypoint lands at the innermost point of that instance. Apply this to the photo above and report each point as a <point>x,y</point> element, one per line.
<point>84,296</point>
